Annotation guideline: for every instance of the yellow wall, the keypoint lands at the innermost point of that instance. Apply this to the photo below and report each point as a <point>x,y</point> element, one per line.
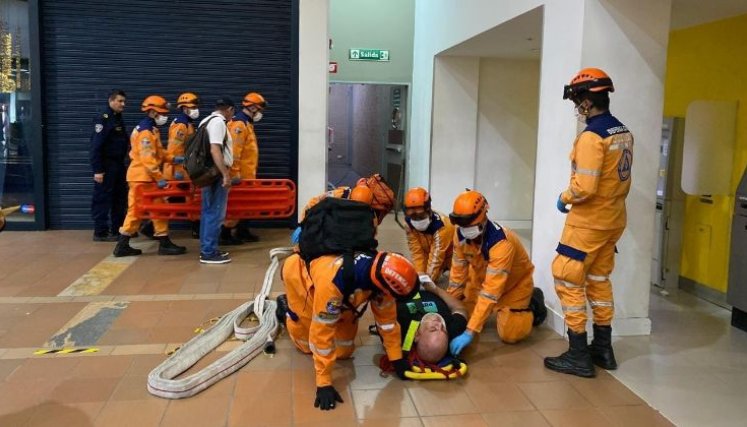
<point>709,62</point>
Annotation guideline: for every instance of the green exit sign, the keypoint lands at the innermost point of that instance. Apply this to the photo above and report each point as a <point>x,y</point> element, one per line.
<point>369,55</point>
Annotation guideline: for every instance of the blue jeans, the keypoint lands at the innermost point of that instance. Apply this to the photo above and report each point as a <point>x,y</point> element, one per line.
<point>214,200</point>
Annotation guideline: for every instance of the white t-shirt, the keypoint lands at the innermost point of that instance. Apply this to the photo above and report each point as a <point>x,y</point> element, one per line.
<point>218,134</point>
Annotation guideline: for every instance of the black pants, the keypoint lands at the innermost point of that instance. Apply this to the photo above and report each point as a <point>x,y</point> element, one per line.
<point>110,198</point>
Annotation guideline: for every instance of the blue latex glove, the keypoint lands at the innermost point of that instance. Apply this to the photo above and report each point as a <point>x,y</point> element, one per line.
<point>235,181</point>
<point>562,207</point>
<point>178,176</point>
<point>296,236</point>
<point>459,343</point>
<point>162,183</point>
<point>179,160</point>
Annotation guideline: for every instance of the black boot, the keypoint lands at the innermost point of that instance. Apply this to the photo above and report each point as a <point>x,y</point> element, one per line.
<point>147,229</point>
<point>123,247</point>
<point>243,233</point>
<point>282,308</point>
<point>227,238</point>
<point>537,305</point>
<point>575,361</point>
<point>601,348</point>
<point>167,247</point>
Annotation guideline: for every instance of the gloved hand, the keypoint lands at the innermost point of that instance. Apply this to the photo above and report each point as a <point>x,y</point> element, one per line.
<point>178,160</point>
<point>459,343</point>
<point>178,176</point>
<point>296,236</point>
<point>400,367</point>
<point>162,183</point>
<point>326,397</point>
<point>561,206</point>
<point>235,181</point>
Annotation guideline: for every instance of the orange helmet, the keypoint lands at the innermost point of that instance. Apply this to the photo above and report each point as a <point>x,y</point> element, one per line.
<point>588,80</point>
<point>395,275</point>
<point>417,197</point>
<point>470,208</point>
<point>253,98</point>
<point>188,99</point>
<point>155,103</point>
<point>383,196</point>
<point>361,193</point>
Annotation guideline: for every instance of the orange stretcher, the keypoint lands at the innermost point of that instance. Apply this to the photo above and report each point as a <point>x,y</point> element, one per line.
<point>250,199</point>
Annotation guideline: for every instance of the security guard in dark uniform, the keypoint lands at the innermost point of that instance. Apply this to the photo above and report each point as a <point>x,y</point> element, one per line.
<point>109,148</point>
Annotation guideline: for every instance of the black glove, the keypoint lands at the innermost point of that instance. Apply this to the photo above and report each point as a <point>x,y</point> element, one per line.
<point>326,397</point>
<point>400,367</point>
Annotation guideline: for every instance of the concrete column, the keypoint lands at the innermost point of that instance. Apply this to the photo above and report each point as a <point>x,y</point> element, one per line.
<point>313,48</point>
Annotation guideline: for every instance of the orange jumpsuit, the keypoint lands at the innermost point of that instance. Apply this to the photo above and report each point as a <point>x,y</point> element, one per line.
<point>494,272</point>
<point>601,162</point>
<point>179,131</point>
<point>146,156</point>
<point>320,323</point>
<point>431,250</point>
<point>245,152</point>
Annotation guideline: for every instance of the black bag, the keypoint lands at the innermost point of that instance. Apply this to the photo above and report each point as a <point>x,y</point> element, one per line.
<point>198,161</point>
<point>339,227</point>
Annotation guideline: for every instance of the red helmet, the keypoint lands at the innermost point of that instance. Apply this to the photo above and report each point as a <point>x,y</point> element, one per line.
<point>395,275</point>
<point>588,80</point>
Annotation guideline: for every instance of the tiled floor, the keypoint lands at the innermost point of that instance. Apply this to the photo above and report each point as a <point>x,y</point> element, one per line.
<point>163,300</point>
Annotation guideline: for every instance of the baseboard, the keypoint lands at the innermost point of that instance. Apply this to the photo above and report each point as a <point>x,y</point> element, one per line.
<point>627,326</point>
<point>705,292</point>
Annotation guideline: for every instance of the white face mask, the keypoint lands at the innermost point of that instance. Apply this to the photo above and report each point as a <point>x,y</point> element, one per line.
<point>472,232</point>
<point>257,116</point>
<point>421,225</point>
<point>194,113</point>
<point>161,120</point>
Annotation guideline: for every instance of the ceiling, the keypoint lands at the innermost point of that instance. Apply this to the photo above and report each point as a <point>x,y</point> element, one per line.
<point>688,13</point>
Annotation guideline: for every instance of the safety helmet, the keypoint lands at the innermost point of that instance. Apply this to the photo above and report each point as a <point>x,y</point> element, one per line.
<point>417,197</point>
<point>361,193</point>
<point>155,103</point>
<point>588,80</point>
<point>188,99</point>
<point>470,208</point>
<point>395,275</point>
<point>253,98</point>
<point>383,195</point>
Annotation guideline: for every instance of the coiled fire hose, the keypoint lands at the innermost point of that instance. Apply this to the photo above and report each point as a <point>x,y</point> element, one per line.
<point>161,380</point>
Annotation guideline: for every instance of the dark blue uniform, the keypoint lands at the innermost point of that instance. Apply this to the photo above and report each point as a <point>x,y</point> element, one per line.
<point>110,147</point>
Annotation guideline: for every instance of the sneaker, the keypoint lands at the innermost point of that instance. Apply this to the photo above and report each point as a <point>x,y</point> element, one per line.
<point>218,258</point>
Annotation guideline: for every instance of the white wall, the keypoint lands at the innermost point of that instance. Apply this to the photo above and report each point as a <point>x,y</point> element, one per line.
<point>312,98</point>
<point>507,138</point>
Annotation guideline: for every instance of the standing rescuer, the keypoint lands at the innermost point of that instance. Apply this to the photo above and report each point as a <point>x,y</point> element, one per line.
<point>245,159</point>
<point>109,147</point>
<point>430,234</point>
<point>179,131</point>
<point>601,162</point>
<point>147,156</point>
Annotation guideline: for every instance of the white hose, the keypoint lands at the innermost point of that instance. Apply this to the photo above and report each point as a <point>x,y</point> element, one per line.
<point>161,380</point>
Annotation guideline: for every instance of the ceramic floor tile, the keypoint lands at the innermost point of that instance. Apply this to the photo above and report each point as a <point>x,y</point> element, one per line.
<point>392,401</point>
<point>607,393</point>
<point>205,412</point>
<point>391,422</point>
<point>471,420</point>
<point>55,414</point>
<point>143,413</point>
<point>248,382</point>
<point>515,419</point>
<point>84,390</point>
<point>305,412</point>
<point>634,416</point>
<point>441,398</point>
<point>554,395</point>
<point>494,397</point>
<point>102,367</point>
<point>131,388</point>
<point>579,417</point>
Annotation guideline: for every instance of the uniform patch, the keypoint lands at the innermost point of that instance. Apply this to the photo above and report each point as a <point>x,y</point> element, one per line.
<point>327,316</point>
<point>180,134</point>
<point>99,127</point>
<point>237,130</point>
<point>625,165</point>
<point>334,306</point>
<point>145,141</point>
<point>106,116</point>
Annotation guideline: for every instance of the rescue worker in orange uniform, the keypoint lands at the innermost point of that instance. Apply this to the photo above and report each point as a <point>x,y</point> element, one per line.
<point>491,271</point>
<point>146,158</point>
<point>601,162</point>
<point>245,160</point>
<point>322,314</point>
<point>430,235</point>
<point>180,130</point>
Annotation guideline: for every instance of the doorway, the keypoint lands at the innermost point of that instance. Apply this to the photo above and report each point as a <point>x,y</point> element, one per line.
<point>366,133</point>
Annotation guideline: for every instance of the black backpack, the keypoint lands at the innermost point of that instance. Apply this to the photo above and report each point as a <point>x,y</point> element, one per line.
<point>197,158</point>
<point>338,227</point>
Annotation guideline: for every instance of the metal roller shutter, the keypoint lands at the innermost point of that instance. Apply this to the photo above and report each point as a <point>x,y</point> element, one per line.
<point>220,47</point>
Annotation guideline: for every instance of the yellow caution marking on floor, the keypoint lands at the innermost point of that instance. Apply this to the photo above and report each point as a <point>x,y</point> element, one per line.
<point>65,351</point>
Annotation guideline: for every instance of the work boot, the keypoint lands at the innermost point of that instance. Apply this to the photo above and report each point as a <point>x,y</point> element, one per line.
<point>601,348</point>
<point>282,308</point>
<point>123,247</point>
<point>227,238</point>
<point>537,305</point>
<point>575,361</point>
<point>243,233</point>
<point>167,247</point>
<point>147,229</point>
